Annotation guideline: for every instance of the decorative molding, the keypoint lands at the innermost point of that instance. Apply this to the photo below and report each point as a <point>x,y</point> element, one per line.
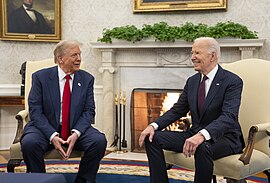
<point>166,51</point>
<point>118,44</point>
<point>172,57</point>
<point>110,69</point>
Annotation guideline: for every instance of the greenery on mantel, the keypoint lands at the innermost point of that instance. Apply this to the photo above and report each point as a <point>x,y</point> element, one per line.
<point>188,32</point>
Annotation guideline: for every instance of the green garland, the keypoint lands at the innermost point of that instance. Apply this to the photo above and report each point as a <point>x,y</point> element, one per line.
<point>188,32</point>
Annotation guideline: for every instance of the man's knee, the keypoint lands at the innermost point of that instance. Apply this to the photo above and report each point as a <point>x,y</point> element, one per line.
<point>101,142</point>
<point>29,145</point>
<point>155,139</point>
<point>203,150</point>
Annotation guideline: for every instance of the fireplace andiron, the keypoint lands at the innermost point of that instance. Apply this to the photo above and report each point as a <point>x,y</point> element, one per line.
<point>116,137</point>
<point>122,102</point>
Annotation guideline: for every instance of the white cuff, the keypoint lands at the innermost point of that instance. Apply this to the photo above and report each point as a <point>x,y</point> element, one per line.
<point>205,133</point>
<point>155,125</point>
<point>53,135</point>
<point>76,131</point>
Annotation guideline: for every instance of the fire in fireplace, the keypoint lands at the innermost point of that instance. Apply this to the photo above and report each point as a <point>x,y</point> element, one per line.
<point>146,106</point>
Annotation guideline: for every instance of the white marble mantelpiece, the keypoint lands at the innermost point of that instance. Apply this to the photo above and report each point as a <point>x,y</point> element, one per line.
<point>118,44</point>
<point>126,65</point>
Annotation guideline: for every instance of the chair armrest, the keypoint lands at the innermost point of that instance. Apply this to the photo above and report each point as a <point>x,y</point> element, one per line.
<point>263,127</point>
<point>246,155</point>
<point>21,118</point>
<point>268,131</point>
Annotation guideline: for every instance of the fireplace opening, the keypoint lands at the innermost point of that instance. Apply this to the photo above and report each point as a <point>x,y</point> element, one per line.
<point>146,106</point>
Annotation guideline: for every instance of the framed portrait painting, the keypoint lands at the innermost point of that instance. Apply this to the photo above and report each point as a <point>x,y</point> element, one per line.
<point>31,20</point>
<point>177,5</point>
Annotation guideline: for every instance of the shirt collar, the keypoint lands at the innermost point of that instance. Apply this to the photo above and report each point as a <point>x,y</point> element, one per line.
<point>25,7</point>
<point>212,73</point>
<point>62,74</point>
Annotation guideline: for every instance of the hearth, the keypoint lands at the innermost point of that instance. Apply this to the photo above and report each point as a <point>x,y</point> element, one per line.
<point>146,105</point>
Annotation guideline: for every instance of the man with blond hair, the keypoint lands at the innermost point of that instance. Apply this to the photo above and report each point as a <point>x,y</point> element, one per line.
<point>62,110</point>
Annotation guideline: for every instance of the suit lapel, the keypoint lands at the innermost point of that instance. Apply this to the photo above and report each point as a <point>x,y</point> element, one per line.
<point>75,96</point>
<point>27,19</point>
<point>194,91</point>
<point>53,84</point>
<point>217,82</point>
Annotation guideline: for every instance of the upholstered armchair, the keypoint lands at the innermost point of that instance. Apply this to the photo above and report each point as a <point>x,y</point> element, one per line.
<point>254,118</point>
<point>23,117</point>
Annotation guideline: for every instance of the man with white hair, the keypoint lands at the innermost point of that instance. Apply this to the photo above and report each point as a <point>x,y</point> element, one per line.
<point>212,96</point>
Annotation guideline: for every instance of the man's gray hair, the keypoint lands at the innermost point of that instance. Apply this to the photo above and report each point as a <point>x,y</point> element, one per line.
<point>62,46</point>
<point>213,45</point>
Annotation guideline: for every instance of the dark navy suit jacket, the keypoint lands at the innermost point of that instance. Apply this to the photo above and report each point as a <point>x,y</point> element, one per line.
<point>45,103</point>
<point>219,115</point>
<point>20,22</point>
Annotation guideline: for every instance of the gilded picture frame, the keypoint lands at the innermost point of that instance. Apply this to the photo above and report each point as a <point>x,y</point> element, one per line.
<point>20,22</point>
<point>177,5</point>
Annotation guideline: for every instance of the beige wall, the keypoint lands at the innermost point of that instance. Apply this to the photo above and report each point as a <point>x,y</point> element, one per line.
<point>84,21</point>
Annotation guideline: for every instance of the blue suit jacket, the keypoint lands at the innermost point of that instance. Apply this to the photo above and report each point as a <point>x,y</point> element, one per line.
<point>219,114</point>
<point>45,104</point>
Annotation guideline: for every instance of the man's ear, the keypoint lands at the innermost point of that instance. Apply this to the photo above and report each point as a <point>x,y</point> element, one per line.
<point>60,60</point>
<point>213,56</point>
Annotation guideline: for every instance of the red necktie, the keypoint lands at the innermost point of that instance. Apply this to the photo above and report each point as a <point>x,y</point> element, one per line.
<point>65,132</point>
<point>201,93</point>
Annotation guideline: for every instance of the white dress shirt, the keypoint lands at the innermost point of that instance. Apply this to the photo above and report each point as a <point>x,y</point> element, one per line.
<point>62,80</point>
<point>30,13</point>
<point>211,75</point>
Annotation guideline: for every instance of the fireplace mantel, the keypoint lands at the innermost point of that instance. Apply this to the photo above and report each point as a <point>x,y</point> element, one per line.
<point>118,44</point>
<point>151,54</point>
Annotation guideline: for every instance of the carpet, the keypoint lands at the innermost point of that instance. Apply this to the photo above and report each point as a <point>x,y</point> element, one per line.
<point>115,171</point>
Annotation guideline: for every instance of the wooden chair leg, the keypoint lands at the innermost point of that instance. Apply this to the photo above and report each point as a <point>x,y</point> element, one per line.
<point>267,173</point>
<point>12,164</point>
<point>214,179</point>
<point>168,166</point>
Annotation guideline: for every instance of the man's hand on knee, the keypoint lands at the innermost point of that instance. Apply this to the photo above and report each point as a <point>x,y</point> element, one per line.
<point>192,143</point>
<point>148,131</point>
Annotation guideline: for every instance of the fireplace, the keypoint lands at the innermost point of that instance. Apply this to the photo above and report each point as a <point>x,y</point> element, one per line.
<point>147,104</point>
<point>150,64</point>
